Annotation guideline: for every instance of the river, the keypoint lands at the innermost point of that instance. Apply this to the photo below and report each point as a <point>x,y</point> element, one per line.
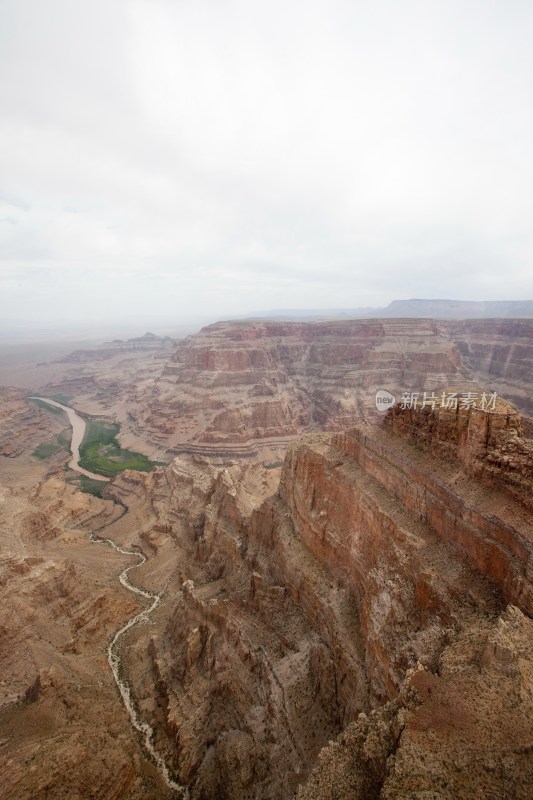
<point>113,656</point>
<point>78,432</point>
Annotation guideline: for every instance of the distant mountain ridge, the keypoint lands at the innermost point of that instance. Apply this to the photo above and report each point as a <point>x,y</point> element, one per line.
<point>460,309</point>
<point>149,341</point>
<point>416,308</point>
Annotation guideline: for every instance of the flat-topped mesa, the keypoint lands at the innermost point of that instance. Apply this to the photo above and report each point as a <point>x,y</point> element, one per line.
<point>487,442</point>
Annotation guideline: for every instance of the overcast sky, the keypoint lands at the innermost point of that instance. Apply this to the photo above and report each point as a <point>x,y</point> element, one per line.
<point>197,158</point>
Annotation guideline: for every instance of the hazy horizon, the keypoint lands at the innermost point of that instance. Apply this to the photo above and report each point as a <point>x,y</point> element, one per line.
<point>15,333</point>
<point>198,161</point>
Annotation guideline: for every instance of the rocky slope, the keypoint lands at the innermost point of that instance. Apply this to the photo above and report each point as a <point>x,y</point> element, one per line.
<point>23,423</point>
<point>63,730</point>
<point>459,731</point>
<point>381,599</point>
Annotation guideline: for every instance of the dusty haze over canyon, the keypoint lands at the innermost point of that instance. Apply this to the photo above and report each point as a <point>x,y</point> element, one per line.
<point>345,596</point>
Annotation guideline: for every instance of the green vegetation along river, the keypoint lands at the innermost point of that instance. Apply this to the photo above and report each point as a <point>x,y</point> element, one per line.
<point>78,432</point>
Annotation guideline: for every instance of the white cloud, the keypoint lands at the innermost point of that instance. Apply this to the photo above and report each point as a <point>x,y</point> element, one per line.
<point>211,158</point>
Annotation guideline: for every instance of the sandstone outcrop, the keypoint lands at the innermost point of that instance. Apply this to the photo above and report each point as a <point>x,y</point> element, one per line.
<point>490,446</point>
<point>462,731</point>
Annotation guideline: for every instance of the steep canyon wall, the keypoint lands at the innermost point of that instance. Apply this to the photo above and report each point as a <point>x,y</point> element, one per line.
<point>382,595</point>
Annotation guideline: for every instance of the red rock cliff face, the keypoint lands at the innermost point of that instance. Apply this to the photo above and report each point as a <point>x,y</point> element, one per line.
<point>374,581</point>
<point>278,380</point>
<point>489,445</point>
<point>372,508</point>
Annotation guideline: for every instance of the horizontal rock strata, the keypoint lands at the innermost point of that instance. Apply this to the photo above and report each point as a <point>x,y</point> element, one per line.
<point>238,389</point>
<point>245,389</point>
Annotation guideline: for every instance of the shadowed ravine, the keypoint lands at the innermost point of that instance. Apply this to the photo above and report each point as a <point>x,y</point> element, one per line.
<point>113,656</point>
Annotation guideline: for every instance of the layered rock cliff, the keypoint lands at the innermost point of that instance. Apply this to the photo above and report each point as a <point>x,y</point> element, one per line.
<point>383,595</point>
<point>246,389</point>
